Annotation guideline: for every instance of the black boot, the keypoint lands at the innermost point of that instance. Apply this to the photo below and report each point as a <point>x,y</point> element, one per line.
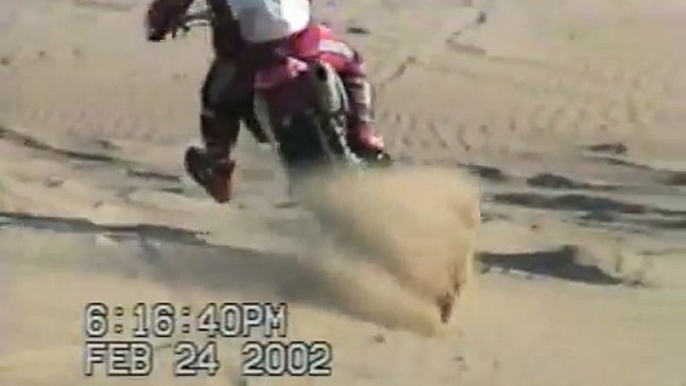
<point>212,167</point>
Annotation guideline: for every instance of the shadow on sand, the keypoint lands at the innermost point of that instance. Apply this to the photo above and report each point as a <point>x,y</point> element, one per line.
<point>563,263</point>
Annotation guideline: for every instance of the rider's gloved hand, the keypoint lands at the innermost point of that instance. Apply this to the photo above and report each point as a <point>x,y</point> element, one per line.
<point>163,17</point>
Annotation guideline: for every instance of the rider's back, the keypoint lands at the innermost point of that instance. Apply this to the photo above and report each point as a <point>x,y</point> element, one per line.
<point>268,20</point>
<point>248,31</point>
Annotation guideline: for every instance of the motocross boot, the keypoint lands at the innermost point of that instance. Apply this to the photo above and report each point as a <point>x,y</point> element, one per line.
<point>363,138</point>
<point>212,167</point>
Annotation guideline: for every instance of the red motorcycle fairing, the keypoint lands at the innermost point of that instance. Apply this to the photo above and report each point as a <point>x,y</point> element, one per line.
<point>274,76</point>
<point>286,89</point>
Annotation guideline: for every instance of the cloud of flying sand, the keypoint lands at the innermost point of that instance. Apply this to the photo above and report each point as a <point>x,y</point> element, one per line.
<point>416,225</point>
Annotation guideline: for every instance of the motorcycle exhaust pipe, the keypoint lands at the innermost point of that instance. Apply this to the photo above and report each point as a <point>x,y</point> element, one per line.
<point>328,89</point>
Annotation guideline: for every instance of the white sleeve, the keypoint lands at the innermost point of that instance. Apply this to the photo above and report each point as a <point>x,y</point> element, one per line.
<point>264,20</point>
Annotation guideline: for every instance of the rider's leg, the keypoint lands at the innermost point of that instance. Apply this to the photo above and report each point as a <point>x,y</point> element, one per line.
<point>363,137</point>
<point>212,166</point>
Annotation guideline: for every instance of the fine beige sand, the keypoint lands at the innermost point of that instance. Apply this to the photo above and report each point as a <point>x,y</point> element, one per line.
<point>558,124</point>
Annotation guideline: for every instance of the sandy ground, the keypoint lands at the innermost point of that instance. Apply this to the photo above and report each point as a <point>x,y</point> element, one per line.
<point>568,115</point>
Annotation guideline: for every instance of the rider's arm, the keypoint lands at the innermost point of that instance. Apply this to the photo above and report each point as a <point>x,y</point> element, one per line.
<point>163,16</point>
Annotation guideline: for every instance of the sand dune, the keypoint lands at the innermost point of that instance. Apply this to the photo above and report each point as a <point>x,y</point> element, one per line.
<point>568,116</point>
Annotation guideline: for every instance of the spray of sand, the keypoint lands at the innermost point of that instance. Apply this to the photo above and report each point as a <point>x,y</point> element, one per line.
<point>405,236</point>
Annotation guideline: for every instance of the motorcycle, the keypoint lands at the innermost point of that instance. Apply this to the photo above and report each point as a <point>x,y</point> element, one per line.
<point>303,108</point>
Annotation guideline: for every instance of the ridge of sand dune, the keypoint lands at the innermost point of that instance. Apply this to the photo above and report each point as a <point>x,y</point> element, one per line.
<point>568,114</point>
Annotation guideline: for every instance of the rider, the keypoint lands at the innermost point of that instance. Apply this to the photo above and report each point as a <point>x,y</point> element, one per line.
<point>243,42</point>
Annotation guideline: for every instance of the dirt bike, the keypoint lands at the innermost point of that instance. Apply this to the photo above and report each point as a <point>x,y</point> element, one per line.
<point>303,108</point>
